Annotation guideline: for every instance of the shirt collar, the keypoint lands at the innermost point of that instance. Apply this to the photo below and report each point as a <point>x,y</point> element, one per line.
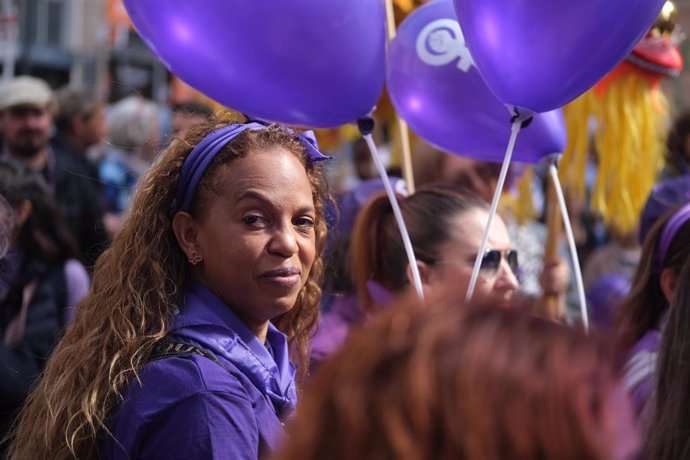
<point>273,372</point>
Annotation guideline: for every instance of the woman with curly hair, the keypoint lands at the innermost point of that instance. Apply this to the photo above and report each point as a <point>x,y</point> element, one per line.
<point>182,348</point>
<point>448,381</point>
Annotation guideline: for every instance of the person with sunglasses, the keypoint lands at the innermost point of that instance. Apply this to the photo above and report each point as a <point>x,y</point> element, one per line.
<point>445,228</point>
<point>541,277</point>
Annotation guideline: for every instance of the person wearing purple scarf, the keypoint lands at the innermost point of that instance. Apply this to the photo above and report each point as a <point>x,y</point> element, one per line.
<point>667,437</point>
<point>643,313</point>
<point>183,348</point>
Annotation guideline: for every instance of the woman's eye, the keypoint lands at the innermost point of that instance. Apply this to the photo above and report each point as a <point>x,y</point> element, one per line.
<point>253,219</point>
<point>306,222</point>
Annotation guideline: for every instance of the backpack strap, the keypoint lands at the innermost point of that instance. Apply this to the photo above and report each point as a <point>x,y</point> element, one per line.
<point>165,349</point>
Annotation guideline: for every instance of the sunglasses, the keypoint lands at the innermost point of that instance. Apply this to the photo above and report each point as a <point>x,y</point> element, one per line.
<point>491,261</point>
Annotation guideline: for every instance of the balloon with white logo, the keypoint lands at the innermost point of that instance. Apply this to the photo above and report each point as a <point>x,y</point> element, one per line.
<point>436,88</point>
<point>441,42</point>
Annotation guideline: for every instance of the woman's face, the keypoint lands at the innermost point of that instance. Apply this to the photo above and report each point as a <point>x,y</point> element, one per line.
<point>452,273</point>
<point>257,237</point>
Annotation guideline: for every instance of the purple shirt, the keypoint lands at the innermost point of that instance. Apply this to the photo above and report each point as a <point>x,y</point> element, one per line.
<point>345,313</point>
<point>190,407</point>
<point>639,373</point>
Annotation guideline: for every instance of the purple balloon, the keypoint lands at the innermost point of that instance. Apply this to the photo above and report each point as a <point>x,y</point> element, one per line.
<point>542,54</point>
<point>436,88</point>
<point>318,63</point>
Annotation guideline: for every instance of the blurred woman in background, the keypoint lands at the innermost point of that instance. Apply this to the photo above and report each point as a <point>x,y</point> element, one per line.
<point>445,228</point>
<point>667,436</point>
<point>41,282</point>
<point>642,315</point>
<point>134,134</point>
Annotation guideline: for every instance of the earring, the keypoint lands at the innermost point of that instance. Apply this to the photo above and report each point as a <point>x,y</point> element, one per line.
<point>195,258</point>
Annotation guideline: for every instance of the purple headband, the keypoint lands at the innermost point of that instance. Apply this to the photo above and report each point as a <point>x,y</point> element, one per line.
<point>671,229</point>
<point>202,155</point>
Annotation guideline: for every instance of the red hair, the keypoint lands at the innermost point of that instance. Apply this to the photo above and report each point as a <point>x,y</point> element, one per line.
<point>458,383</point>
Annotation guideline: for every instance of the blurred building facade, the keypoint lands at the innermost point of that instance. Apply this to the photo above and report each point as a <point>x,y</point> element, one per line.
<point>678,89</point>
<point>87,43</point>
<point>90,43</point>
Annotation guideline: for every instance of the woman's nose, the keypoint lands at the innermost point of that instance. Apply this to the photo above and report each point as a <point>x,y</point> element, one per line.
<point>506,278</point>
<point>283,241</point>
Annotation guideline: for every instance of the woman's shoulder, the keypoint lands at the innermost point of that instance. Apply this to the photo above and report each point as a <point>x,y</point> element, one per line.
<point>639,370</point>
<point>183,407</point>
<point>186,374</point>
<point>650,342</point>
<point>165,385</point>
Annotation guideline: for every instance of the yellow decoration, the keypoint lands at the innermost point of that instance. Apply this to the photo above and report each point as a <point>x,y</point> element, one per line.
<point>627,121</point>
<point>406,6</point>
<point>520,203</point>
<point>330,140</point>
<point>623,121</point>
<point>524,208</point>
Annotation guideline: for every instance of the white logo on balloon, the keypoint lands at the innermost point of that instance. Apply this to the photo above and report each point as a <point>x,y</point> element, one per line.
<point>441,42</point>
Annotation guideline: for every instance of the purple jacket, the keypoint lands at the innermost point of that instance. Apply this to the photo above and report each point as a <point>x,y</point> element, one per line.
<point>191,407</point>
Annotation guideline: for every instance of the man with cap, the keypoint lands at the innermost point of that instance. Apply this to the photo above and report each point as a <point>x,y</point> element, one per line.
<point>26,116</point>
<point>27,110</point>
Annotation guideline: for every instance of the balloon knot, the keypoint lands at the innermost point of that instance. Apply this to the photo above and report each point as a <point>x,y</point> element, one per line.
<point>365,125</point>
<point>525,121</point>
<point>525,117</point>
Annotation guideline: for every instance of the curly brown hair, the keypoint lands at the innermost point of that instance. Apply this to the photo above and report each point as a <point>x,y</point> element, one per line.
<point>457,382</point>
<point>136,287</point>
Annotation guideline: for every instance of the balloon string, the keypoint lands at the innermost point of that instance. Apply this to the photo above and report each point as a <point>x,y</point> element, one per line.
<point>515,129</point>
<point>553,172</point>
<point>398,216</point>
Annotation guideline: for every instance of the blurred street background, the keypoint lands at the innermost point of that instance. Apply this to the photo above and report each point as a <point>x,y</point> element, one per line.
<point>90,43</point>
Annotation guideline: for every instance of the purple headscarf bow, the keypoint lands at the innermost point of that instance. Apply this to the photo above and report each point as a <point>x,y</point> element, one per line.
<point>202,155</point>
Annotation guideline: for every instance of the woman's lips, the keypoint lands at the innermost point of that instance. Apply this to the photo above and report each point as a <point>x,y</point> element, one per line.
<point>282,277</point>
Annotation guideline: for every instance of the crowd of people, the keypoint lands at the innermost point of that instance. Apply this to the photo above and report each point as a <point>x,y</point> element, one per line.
<point>182,283</point>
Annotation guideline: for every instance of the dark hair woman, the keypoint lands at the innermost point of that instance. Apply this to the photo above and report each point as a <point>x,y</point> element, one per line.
<point>41,281</point>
